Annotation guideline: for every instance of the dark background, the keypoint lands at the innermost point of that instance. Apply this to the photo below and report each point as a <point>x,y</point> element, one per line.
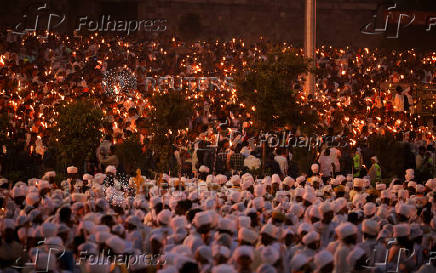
<point>339,21</point>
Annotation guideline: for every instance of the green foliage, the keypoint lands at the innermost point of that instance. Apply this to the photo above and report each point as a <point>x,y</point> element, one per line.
<point>129,154</point>
<point>268,86</point>
<point>171,113</point>
<point>390,154</point>
<point>78,131</point>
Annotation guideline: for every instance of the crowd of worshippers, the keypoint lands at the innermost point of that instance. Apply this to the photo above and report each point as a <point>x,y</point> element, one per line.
<point>104,223</point>
<point>38,75</point>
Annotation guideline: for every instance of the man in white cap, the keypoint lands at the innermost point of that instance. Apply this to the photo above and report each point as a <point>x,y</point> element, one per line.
<point>347,236</point>
<point>401,253</point>
<point>326,227</point>
<point>72,178</point>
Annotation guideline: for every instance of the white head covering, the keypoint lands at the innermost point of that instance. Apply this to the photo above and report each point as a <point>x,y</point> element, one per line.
<point>322,258</point>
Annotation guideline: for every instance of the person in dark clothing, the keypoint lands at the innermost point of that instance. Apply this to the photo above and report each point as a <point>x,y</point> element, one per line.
<point>237,160</point>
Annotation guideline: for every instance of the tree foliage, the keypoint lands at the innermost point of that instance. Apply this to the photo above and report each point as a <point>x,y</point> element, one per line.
<point>171,113</point>
<point>267,90</point>
<point>78,131</point>
<point>390,154</point>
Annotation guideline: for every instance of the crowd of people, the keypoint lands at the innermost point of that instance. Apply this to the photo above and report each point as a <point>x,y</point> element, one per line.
<point>214,211</point>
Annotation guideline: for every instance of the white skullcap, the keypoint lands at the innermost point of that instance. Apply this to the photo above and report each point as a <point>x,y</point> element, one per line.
<point>226,224</point>
<point>49,229</point>
<point>380,187</point>
<point>310,237</point>
<point>304,227</point>
<point>116,243</point>
<point>269,255</point>
<point>270,230</point>
<point>118,229</point>
<point>102,236</point>
<point>220,250</point>
<point>203,218</point>
<point>411,184</point>
<point>164,217</point>
<point>87,176</point>
<point>19,190</point>
<point>258,203</point>
<point>396,188</point>
<point>309,196</point>
<point>289,181</point>
<point>32,198</point>
<point>276,179</point>
<point>401,230</point>
<point>235,196</point>
<point>420,188</point>
<point>340,203</point>
<point>205,252</point>
<point>300,179</point>
<point>203,169</point>
<point>315,212</point>
<point>325,207</point>
<point>221,179</point>
<point>369,208</point>
<point>266,268</point>
<point>322,258</point>
<point>314,168</point>
<point>244,221</point>
<point>404,209</point>
<point>259,190</point>
<point>72,170</point>
<point>87,225</point>
<point>78,197</point>
<point>298,261</point>
<point>345,229</point>
<point>410,171</point>
<point>49,174</point>
<point>370,227</point>
<point>88,247</point>
<point>243,251</point>
<point>54,241</point>
<point>224,268</point>
<point>111,169</point>
<point>431,183</point>
<point>385,194</point>
<point>299,192</point>
<point>99,178</point>
<point>247,235</point>
<point>42,184</point>
<point>357,182</point>
<point>355,255</point>
<point>339,179</point>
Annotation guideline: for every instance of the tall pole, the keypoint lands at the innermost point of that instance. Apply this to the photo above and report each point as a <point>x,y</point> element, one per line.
<point>310,42</point>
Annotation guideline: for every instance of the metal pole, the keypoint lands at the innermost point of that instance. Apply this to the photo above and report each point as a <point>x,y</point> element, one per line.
<point>310,42</point>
